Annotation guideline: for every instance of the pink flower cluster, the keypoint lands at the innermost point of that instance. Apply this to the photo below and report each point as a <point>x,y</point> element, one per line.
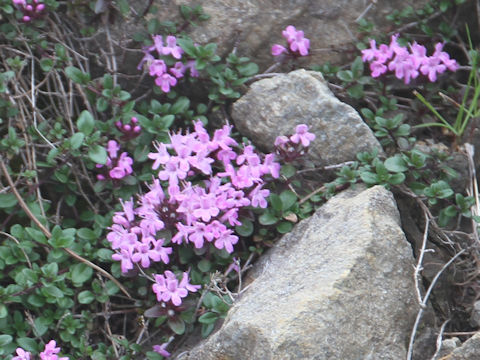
<point>298,45</point>
<point>196,213</point>
<point>166,77</point>
<point>290,148</point>
<point>407,62</point>
<point>30,10</point>
<point>129,131</point>
<point>49,353</point>
<point>167,287</point>
<point>117,167</point>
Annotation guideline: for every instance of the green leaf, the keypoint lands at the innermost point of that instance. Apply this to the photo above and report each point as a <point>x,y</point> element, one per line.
<point>267,219</point>
<point>345,75</point>
<point>188,46</point>
<point>246,229</point>
<point>5,340</point>
<point>123,6</point>
<point>101,104</point>
<point>356,91</point>
<point>288,170</point>
<point>204,265</point>
<point>396,164</point>
<point>77,140</point>
<point>76,75</point>
<point>86,234</point>
<point>288,198</point>
<point>177,325</point>
<point>208,318</point>
<point>85,122</point>
<point>86,297</point>
<point>3,313</point>
<point>52,291</point>
<point>276,202</point>
<point>284,227</point>
<point>7,200</point>
<point>81,273</point>
<point>104,254</point>
<point>180,106</point>
<point>46,64</point>
<point>28,344</point>
<point>369,178</point>
<point>62,238</point>
<point>397,179</point>
<point>50,271</point>
<point>36,235</point>
<point>98,154</point>
<point>207,329</point>
<point>357,67</point>
<point>249,69</point>
<point>41,325</point>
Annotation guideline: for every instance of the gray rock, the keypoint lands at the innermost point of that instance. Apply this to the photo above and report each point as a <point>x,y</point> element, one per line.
<point>470,350</point>
<point>475,316</point>
<point>252,27</point>
<point>277,105</point>
<point>339,286</point>
<point>448,345</point>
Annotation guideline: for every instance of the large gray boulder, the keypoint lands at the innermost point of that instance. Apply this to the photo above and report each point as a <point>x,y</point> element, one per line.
<point>339,286</point>
<point>275,106</point>
<point>252,27</point>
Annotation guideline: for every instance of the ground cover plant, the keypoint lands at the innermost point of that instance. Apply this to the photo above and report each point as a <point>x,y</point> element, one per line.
<point>128,218</point>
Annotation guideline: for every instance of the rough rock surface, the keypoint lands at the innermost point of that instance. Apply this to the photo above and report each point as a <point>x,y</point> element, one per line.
<point>252,27</point>
<point>275,106</point>
<point>470,350</point>
<point>339,286</point>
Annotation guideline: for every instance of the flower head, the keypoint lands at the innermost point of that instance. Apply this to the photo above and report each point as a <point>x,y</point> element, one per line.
<point>407,62</point>
<point>298,45</point>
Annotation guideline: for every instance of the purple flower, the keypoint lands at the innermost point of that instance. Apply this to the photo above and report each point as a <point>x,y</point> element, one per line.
<point>118,167</point>
<point>172,48</point>
<point>298,45</point>
<point>193,70</point>
<point>178,70</point>
<point>289,33</point>
<point>407,64</point>
<point>123,168</point>
<point>278,49</point>
<point>258,196</point>
<point>157,44</point>
<point>50,351</point>
<point>161,349</point>
<point>30,10</point>
<point>22,355</point>
<point>431,67</point>
<point>165,81</point>
<point>147,58</point>
<point>378,68</point>
<point>125,257</point>
<point>226,240</point>
<point>112,148</point>
<point>404,65</point>
<point>302,135</point>
<point>157,68</point>
<point>451,64</point>
<point>167,288</point>
<point>161,157</point>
